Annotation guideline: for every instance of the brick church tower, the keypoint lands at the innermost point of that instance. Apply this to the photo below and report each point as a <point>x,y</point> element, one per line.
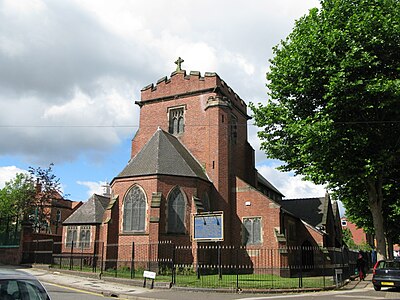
<point>187,155</point>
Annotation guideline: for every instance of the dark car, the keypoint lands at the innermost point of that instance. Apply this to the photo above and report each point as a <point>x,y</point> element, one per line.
<point>19,285</point>
<point>386,274</point>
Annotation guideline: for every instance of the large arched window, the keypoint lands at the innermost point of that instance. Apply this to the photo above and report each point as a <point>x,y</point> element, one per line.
<point>134,211</point>
<point>176,211</point>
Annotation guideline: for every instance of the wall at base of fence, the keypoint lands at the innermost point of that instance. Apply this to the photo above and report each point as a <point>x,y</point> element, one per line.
<point>10,255</point>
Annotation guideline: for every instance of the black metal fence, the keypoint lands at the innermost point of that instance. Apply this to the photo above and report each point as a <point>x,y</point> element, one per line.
<point>205,266</point>
<point>10,230</point>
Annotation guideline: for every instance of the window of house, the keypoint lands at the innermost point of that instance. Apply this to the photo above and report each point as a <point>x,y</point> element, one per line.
<point>176,211</point>
<point>84,237</point>
<point>72,235</point>
<point>344,223</point>
<point>176,120</point>
<point>81,240</point>
<point>252,231</point>
<point>134,210</point>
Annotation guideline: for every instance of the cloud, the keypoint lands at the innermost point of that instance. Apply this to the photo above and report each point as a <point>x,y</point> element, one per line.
<point>289,185</point>
<point>71,70</point>
<point>93,187</point>
<point>7,173</point>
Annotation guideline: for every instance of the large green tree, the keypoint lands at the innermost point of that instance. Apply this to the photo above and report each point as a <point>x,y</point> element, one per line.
<point>17,196</point>
<point>334,108</point>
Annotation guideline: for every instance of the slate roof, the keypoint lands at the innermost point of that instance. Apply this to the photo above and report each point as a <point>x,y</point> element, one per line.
<point>311,210</point>
<point>91,212</point>
<point>268,184</point>
<point>163,154</point>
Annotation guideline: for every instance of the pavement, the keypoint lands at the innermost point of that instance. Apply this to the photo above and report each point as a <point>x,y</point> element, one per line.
<point>124,289</point>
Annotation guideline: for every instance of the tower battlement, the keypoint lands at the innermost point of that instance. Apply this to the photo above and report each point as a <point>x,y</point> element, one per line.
<point>180,84</point>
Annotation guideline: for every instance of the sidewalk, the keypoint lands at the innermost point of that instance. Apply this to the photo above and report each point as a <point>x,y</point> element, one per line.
<point>357,284</point>
<point>120,288</point>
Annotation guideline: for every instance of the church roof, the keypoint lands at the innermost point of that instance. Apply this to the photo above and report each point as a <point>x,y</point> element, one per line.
<point>91,212</point>
<point>311,210</point>
<point>163,154</point>
<point>261,179</point>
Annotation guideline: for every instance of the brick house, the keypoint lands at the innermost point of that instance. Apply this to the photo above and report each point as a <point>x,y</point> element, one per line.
<point>82,228</point>
<point>191,155</point>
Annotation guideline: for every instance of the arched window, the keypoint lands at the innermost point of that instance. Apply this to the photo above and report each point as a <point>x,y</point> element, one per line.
<point>176,120</point>
<point>134,211</point>
<point>180,124</point>
<point>176,211</point>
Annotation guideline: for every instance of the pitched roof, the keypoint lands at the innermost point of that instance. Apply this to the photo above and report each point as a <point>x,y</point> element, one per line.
<point>311,210</point>
<point>261,179</point>
<point>163,154</point>
<point>91,212</point>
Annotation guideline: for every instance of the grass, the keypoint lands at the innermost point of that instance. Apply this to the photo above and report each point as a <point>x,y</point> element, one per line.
<point>188,278</point>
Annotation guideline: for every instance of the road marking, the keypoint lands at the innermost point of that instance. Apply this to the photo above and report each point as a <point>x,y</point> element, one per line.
<point>363,296</point>
<point>340,293</point>
<point>73,289</point>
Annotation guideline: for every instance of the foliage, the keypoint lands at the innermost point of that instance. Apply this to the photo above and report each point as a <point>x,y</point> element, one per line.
<point>48,188</point>
<point>17,196</point>
<point>335,99</point>
<point>348,239</point>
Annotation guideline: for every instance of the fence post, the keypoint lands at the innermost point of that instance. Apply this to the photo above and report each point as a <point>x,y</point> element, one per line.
<point>219,261</point>
<point>173,264</point>
<point>102,258</point>
<point>71,255</point>
<point>133,261</point>
<point>148,257</point>
<point>81,255</point>
<point>36,250</point>
<point>94,257</point>
<point>237,268</point>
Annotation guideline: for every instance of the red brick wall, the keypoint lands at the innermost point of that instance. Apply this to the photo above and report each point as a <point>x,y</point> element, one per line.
<point>260,206</point>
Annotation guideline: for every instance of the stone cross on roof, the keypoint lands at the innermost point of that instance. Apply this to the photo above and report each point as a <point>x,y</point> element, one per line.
<point>178,63</point>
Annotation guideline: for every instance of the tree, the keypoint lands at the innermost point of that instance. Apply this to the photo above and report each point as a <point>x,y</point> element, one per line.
<point>334,109</point>
<point>17,196</point>
<point>48,188</point>
<point>16,199</point>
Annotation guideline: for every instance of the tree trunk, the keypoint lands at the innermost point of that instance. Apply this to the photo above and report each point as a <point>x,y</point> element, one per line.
<point>390,247</point>
<point>375,198</point>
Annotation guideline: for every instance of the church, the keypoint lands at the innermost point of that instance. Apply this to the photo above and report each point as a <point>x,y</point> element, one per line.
<point>190,156</point>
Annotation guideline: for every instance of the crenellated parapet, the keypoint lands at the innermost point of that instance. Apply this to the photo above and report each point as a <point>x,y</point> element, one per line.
<point>180,85</point>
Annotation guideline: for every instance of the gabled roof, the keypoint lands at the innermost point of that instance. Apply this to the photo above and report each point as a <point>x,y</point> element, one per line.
<point>311,210</point>
<point>261,179</point>
<point>163,154</point>
<point>91,212</point>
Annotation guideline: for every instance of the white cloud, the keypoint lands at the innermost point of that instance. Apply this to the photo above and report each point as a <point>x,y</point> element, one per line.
<point>93,187</point>
<point>289,185</point>
<point>9,172</point>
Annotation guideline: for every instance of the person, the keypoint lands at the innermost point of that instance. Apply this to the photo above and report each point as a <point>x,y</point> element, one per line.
<point>361,266</point>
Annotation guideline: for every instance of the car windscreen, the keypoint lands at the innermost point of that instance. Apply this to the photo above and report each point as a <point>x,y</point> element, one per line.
<point>22,289</point>
<point>394,265</point>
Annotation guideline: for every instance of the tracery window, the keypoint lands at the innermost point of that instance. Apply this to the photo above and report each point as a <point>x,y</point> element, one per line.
<point>252,231</point>
<point>134,210</point>
<point>176,120</point>
<point>176,211</point>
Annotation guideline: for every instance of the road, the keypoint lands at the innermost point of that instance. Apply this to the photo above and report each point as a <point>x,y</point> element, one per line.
<point>58,292</point>
<point>65,293</point>
<point>358,294</point>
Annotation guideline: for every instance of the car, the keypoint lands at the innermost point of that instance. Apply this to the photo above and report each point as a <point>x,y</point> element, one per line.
<point>386,273</point>
<point>19,285</point>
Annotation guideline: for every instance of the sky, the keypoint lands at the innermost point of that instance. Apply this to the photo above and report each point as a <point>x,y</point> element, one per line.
<point>71,71</point>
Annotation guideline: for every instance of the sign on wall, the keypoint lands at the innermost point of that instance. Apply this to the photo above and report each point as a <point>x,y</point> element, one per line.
<point>208,227</point>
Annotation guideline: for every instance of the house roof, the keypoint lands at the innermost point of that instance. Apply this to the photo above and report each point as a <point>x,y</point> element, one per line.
<point>163,154</point>
<point>91,212</point>
<point>311,210</point>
